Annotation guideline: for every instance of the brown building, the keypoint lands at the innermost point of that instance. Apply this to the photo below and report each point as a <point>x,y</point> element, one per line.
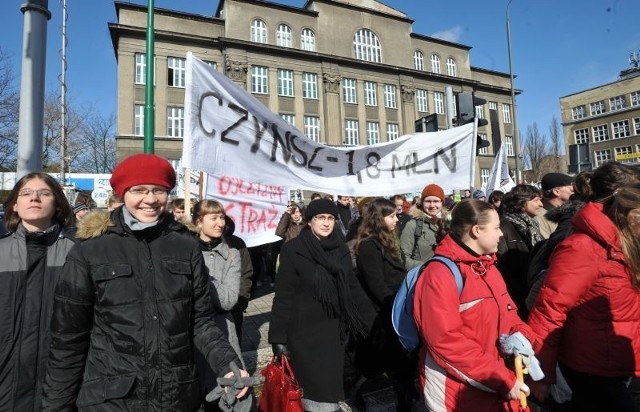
<point>345,72</point>
<point>603,123</point>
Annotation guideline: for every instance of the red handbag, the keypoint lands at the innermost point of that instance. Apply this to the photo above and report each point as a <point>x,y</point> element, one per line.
<point>281,391</point>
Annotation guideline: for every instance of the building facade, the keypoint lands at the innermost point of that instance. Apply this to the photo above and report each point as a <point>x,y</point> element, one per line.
<point>603,123</point>
<point>345,72</point>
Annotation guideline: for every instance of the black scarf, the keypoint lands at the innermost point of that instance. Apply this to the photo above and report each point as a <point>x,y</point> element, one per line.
<point>526,225</point>
<point>330,281</point>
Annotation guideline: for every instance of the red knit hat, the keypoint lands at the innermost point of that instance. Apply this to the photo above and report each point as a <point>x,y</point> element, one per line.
<point>432,190</point>
<point>142,169</point>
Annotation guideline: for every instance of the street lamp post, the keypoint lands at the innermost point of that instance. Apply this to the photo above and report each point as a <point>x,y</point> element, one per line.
<point>516,140</point>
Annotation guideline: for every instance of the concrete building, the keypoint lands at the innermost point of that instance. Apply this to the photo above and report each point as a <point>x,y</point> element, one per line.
<point>603,123</point>
<point>345,72</point>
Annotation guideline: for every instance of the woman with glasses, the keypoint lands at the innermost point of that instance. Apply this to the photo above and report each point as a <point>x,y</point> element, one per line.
<point>133,304</point>
<point>32,254</point>
<point>318,304</point>
<point>421,234</point>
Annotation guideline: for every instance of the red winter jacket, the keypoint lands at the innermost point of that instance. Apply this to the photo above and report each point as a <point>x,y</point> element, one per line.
<point>461,365</point>
<point>587,315</point>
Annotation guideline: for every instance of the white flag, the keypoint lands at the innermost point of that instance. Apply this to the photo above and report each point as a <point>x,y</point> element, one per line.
<point>499,178</point>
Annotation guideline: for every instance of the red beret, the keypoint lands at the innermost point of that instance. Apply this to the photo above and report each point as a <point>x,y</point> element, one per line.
<point>142,169</point>
<point>433,190</point>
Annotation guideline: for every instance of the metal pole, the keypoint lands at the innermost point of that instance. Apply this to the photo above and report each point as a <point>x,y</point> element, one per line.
<point>63,97</point>
<point>149,112</point>
<point>516,137</point>
<point>34,57</point>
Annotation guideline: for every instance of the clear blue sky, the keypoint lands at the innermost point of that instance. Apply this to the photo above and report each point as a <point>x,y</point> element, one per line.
<point>559,47</point>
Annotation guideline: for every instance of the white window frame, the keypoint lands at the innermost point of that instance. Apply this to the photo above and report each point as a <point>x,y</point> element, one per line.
<point>422,100</point>
<point>138,120</point>
<point>479,111</point>
<point>176,72</point>
<point>309,85</point>
<point>366,46</point>
<point>351,136</point>
<point>636,125</point>
<point>312,128</point>
<point>578,113</point>
<point>308,40</point>
<point>370,93</point>
<point>601,156</point>
<point>418,60</point>
<point>393,131</point>
<point>283,36</point>
<point>483,150</point>
<point>621,129</point>
<point>506,113</point>
<point>175,121</point>
<point>289,118</point>
<point>581,136</point>
<point>635,98</point>
<point>452,69</point>
<point>484,175</point>
<point>390,101</point>
<point>141,68</point>
<point>435,63</point>
<point>349,91</point>
<point>493,106</point>
<point>438,102</point>
<point>508,144</point>
<point>285,82</point>
<point>617,103</point>
<point>259,79</point>
<point>259,32</point>
<point>624,150</point>
<point>373,133</point>
<point>596,108</point>
<point>600,133</point>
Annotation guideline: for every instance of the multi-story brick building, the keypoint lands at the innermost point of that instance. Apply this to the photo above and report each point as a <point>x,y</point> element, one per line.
<point>345,72</point>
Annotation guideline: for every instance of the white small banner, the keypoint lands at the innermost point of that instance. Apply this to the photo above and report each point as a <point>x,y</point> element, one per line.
<point>230,133</point>
<point>499,178</point>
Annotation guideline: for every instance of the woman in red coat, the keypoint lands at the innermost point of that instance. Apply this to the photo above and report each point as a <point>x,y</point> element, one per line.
<point>587,316</point>
<point>462,368</point>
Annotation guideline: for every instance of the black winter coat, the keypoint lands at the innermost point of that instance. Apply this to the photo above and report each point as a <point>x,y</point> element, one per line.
<point>299,321</point>
<point>129,309</point>
<point>513,263</point>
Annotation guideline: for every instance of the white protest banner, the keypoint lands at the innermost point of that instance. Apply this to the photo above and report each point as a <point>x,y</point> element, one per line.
<point>499,178</point>
<point>230,133</point>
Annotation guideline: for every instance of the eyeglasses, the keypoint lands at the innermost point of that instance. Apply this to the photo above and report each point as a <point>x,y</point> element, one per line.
<point>435,202</point>
<point>46,193</point>
<point>143,191</point>
<point>324,219</point>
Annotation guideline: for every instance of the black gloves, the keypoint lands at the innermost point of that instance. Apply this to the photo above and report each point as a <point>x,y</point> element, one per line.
<point>279,349</point>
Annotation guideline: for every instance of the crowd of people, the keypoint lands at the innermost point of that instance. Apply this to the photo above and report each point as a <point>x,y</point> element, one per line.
<point>140,307</point>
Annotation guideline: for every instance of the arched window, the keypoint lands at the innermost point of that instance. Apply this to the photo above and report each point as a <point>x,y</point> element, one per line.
<point>435,63</point>
<point>258,31</point>
<point>367,46</point>
<point>308,40</point>
<point>283,36</point>
<point>418,60</point>
<point>451,67</point>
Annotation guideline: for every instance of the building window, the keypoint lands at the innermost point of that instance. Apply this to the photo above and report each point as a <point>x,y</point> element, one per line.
<point>421,100</point>
<point>175,121</point>
<point>596,108</point>
<point>600,133</point>
<point>367,46</point>
<point>141,68</point>
<point>493,106</point>
<point>258,31</point>
<point>418,60</point>
<point>506,113</point>
<point>349,91</point>
<point>435,64</point>
<point>390,96</point>
<point>602,156</point>
<point>438,100</point>
<point>283,36</point>
<point>176,71</point>
<point>285,82</point>
<point>393,132</point>
<point>635,98</point>
<point>351,133</point>
<point>309,85</point>
<point>625,154</point>
<point>508,144</point>
<point>484,175</point>
<point>373,133</point>
<point>479,111</point>
<point>138,120</point>
<point>636,125</point>
<point>451,67</point>
<point>621,129</point>
<point>370,94</point>
<point>259,79</point>
<point>578,112</point>
<point>312,128</point>
<point>581,136</point>
<point>308,40</point>
<point>483,150</point>
<point>289,118</point>
<point>617,103</point>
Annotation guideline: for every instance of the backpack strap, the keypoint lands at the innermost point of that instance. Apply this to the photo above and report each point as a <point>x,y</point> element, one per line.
<point>417,234</point>
<point>455,270</point>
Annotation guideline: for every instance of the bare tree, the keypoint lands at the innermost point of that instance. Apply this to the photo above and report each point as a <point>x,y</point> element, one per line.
<point>535,149</point>
<point>556,142</point>
<point>52,130</point>
<point>9,112</point>
<point>95,146</point>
